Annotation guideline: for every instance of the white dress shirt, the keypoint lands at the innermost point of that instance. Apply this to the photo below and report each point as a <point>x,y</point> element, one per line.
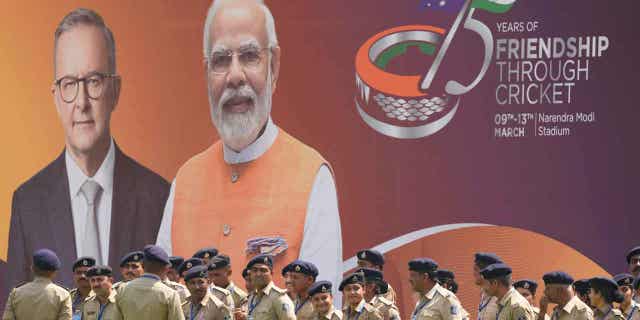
<point>322,236</point>
<point>104,177</point>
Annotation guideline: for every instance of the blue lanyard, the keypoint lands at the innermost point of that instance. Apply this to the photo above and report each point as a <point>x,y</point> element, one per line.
<point>483,305</point>
<point>193,315</point>
<point>298,307</point>
<point>253,305</point>
<point>102,307</point>
<point>631,313</point>
<point>419,308</point>
<point>606,314</point>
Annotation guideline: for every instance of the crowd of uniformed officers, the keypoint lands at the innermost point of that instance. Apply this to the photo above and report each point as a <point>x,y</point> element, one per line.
<point>156,286</point>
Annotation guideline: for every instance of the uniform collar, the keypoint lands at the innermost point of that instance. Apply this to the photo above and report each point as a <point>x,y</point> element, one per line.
<point>231,286</point>
<point>569,306</point>
<point>360,306</point>
<point>329,314</point>
<point>267,289</point>
<point>42,279</point>
<point>151,276</point>
<point>255,149</point>
<point>432,292</point>
<point>104,175</point>
<point>507,296</point>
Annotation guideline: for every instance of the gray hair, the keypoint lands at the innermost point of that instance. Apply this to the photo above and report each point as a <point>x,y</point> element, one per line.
<point>86,17</point>
<point>270,25</point>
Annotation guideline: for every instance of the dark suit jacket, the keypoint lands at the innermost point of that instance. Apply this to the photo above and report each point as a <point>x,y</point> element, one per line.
<point>41,218</point>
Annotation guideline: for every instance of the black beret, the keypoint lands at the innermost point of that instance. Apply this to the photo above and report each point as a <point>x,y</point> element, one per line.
<point>356,277</point>
<point>218,262</point>
<point>557,277</point>
<point>495,270</point>
<point>526,284</point>
<point>636,283</point>
<point>84,262</point>
<point>423,265</point>
<point>188,264</point>
<point>373,256</point>
<point>632,252</point>
<point>303,267</point>
<point>245,272</point>
<point>607,287</point>
<point>623,279</point>
<point>320,287</point>
<point>261,259</point>
<point>206,253</point>
<point>483,259</point>
<point>196,272</point>
<point>176,261</point>
<point>444,275</point>
<point>135,256</point>
<point>581,286</point>
<point>99,271</point>
<point>155,253</point>
<point>46,260</point>
<point>375,276</point>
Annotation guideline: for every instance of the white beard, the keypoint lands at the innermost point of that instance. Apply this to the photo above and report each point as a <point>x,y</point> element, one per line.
<point>239,130</point>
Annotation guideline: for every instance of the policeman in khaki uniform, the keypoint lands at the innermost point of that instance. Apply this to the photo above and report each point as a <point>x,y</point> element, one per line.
<point>374,289</point>
<point>82,291</point>
<point>201,304</point>
<point>220,293</point>
<point>527,288</point>
<point>636,289</point>
<point>581,288</point>
<point>173,275</point>
<point>374,259</point>
<point>299,276</point>
<point>558,289</point>
<point>267,302</point>
<point>40,299</point>
<point>220,272</point>
<point>604,292</point>
<point>102,305</point>
<point>488,308</point>
<point>147,298</point>
<point>322,300</point>
<point>628,307</point>
<point>178,287</point>
<point>130,268</point>
<point>436,302</point>
<point>356,307</point>
<point>511,304</point>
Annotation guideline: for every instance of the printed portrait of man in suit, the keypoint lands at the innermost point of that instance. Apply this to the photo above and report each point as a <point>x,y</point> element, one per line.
<point>92,200</point>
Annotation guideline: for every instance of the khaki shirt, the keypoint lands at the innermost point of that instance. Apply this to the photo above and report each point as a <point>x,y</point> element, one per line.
<point>575,309</point>
<point>333,314</point>
<point>147,298</point>
<point>513,306</point>
<point>39,299</point>
<point>632,312</point>
<point>224,295</point>
<point>488,308</point>
<point>181,289</point>
<point>303,309</point>
<point>536,310</point>
<point>77,301</point>
<point>210,308</point>
<point>238,295</point>
<point>388,310</point>
<point>439,304</point>
<point>91,308</point>
<point>270,303</point>
<point>364,311</point>
<point>608,313</point>
<point>390,295</point>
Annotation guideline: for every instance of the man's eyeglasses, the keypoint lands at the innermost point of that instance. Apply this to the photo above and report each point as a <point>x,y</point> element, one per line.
<point>220,62</point>
<point>94,84</point>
